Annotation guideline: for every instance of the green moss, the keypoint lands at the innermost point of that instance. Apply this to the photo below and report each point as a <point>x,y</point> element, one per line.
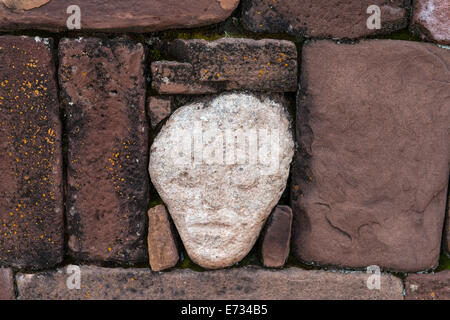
<point>230,28</point>
<point>211,35</point>
<point>252,259</point>
<point>444,263</point>
<point>155,203</point>
<point>187,263</point>
<point>293,262</point>
<point>403,34</point>
<point>208,35</point>
<point>138,37</point>
<point>155,55</point>
<point>197,35</point>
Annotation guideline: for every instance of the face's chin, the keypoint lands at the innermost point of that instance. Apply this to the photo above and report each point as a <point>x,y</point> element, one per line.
<point>209,247</point>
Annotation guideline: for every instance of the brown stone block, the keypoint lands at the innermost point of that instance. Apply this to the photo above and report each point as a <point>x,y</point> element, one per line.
<point>431,20</point>
<point>323,18</point>
<point>446,239</point>
<point>7,291</point>
<point>277,237</point>
<point>162,240</point>
<point>159,108</point>
<point>103,91</point>
<point>247,283</point>
<point>227,64</point>
<point>118,16</point>
<point>31,195</point>
<point>171,77</point>
<point>434,286</point>
<point>370,181</point>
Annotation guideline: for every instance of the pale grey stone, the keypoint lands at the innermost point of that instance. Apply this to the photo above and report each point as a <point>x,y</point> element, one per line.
<point>220,201</point>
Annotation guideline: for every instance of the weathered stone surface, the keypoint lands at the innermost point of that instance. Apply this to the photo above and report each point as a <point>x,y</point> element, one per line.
<point>277,237</point>
<point>31,195</point>
<point>323,18</point>
<point>103,91</point>
<point>431,20</point>
<point>371,177</point>
<point>162,246</point>
<point>220,192</point>
<point>24,4</point>
<point>434,286</point>
<point>227,64</point>
<point>7,284</point>
<point>238,283</point>
<point>159,108</point>
<point>101,15</point>
<point>171,77</point>
<point>446,240</point>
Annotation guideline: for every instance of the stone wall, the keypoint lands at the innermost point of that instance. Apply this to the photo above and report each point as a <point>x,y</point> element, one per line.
<point>267,149</point>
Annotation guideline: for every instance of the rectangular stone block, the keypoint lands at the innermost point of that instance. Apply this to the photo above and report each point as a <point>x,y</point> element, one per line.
<point>7,291</point>
<point>370,181</point>
<point>159,108</point>
<point>103,93</point>
<point>172,77</point>
<point>431,20</point>
<point>247,283</point>
<point>227,64</point>
<point>325,18</point>
<point>434,286</point>
<point>162,240</point>
<point>116,16</point>
<point>31,194</point>
<point>446,239</point>
<point>276,237</point>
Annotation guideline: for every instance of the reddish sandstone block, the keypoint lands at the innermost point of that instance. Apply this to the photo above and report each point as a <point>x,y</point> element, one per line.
<point>370,181</point>
<point>434,286</point>
<point>31,195</point>
<point>446,239</point>
<point>162,243</point>
<point>101,15</point>
<point>323,18</point>
<point>431,20</point>
<point>103,92</point>
<point>277,237</point>
<point>7,284</point>
<point>247,283</point>
<point>159,108</point>
<point>227,64</point>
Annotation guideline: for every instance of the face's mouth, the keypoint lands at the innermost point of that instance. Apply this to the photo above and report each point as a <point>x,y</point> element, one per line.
<point>225,218</point>
<point>213,230</point>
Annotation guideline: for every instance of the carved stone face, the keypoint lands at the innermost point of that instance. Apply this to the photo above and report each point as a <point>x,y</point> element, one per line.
<point>220,166</point>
